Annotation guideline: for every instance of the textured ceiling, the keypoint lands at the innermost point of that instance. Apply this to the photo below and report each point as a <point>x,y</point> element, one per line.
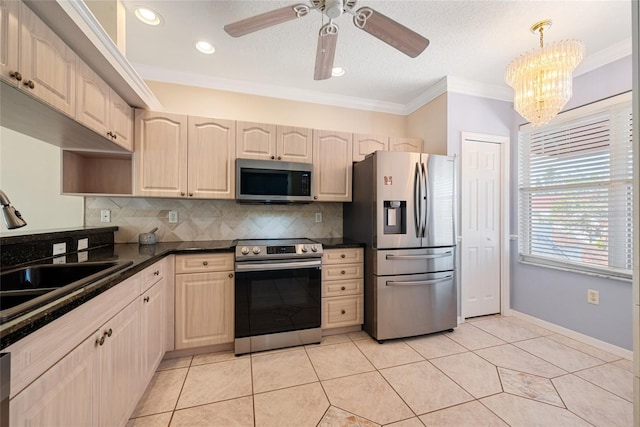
<point>471,41</point>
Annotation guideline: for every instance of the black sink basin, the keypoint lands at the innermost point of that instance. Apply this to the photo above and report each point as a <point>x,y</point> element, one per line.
<point>26,288</point>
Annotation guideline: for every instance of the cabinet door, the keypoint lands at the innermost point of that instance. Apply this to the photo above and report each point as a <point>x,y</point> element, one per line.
<point>160,154</point>
<point>153,329</point>
<point>212,157</point>
<point>332,166</point>
<point>256,141</point>
<point>120,366</point>
<point>365,144</point>
<point>9,16</point>
<point>47,64</point>
<point>405,144</point>
<point>294,144</point>
<point>92,104</point>
<point>65,395</point>
<point>204,309</point>
<point>120,121</point>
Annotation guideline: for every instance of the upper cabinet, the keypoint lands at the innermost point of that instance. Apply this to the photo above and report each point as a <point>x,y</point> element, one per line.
<point>180,156</point>
<point>40,63</point>
<point>270,142</point>
<point>365,144</point>
<point>405,144</point>
<point>100,108</point>
<point>332,171</point>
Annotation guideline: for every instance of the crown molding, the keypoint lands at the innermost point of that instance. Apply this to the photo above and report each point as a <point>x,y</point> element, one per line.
<point>605,56</point>
<point>272,91</point>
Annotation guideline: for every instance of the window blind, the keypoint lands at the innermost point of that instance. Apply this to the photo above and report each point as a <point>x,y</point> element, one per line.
<point>575,193</point>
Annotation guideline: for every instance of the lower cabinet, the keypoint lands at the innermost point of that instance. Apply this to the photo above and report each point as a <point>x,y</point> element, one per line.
<point>342,288</point>
<point>204,300</point>
<point>98,379</point>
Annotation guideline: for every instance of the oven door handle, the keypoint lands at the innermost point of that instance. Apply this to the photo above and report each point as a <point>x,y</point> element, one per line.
<point>270,265</point>
<point>418,282</point>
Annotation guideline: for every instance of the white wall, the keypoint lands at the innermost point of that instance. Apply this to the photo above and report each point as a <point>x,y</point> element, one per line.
<point>30,176</point>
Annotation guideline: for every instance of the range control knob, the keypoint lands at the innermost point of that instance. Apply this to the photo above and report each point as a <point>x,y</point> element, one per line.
<point>314,248</point>
<point>305,249</point>
<point>255,250</point>
<point>244,250</point>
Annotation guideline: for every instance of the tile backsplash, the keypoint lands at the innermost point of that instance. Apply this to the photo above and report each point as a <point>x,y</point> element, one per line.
<point>213,219</point>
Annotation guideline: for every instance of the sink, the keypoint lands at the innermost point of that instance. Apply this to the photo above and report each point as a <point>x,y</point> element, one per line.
<point>29,287</point>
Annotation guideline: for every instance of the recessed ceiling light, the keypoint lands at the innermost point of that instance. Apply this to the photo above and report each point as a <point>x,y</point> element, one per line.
<point>338,71</point>
<point>205,47</point>
<point>147,16</point>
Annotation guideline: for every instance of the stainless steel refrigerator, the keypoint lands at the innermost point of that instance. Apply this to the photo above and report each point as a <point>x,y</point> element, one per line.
<point>404,210</point>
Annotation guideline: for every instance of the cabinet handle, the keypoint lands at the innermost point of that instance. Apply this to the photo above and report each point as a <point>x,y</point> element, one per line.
<point>343,256</point>
<point>344,312</point>
<point>315,197</point>
<point>29,84</point>
<point>182,194</point>
<point>146,299</point>
<point>110,134</point>
<point>190,194</point>
<point>156,273</point>
<point>279,158</point>
<point>273,157</point>
<point>342,272</point>
<point>100,341</point>
<point>108,333</point>
<point>16,75</point>
<point>230,275</point>
<point>115,136</point>
<point>205,263</point>
<point>343,288</point>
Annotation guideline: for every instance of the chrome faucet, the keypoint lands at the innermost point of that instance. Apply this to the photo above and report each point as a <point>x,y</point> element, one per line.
<point>11,216</point>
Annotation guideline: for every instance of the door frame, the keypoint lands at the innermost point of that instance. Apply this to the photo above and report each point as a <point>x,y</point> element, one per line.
<point>505,246</point>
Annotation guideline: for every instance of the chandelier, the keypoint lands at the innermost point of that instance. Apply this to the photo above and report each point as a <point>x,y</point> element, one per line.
<point>541,78</point>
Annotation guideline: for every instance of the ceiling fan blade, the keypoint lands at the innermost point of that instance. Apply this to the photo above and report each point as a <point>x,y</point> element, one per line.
<point>327,40</point>
<point>265,20</point>
<point>391,32</point>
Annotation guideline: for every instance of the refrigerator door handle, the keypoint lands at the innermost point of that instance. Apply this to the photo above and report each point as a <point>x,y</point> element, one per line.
<point>419,282</point>
<point>417,257</point>
<point>417,197</point>
<point>425,196</point>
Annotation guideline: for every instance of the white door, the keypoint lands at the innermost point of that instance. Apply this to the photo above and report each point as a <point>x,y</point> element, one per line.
<point>480,225</point>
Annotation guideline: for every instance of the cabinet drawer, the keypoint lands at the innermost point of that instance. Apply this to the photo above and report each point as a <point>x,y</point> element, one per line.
<point>342,256</point>
<point>342,311</point>
<point>152,275</point>
<point>342,272</point>
<point>335,288</point>
<point>203,263</point>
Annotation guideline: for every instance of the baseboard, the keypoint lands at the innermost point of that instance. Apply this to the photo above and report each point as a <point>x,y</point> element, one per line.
<point>585,339</point>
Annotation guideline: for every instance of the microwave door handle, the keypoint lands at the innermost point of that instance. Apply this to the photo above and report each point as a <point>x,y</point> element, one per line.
<point>418,282</point>
<point>417,195</point>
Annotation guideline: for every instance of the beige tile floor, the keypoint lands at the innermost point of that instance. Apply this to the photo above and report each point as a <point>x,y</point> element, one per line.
<point>495,371</point>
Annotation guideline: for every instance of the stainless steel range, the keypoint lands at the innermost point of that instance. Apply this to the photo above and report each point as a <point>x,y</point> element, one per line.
<point>277,294</point>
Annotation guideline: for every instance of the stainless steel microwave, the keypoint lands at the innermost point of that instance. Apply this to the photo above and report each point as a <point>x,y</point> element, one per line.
<point>268,181</point>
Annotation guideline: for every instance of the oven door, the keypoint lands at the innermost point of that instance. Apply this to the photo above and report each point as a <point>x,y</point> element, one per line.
<point>277,296</point>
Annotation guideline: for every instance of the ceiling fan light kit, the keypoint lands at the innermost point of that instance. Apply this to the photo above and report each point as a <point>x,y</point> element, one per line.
<point>378,25</point>
<point>542,78</point>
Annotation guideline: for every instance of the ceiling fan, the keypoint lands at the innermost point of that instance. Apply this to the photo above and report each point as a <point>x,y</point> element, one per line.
<point>378,25</point>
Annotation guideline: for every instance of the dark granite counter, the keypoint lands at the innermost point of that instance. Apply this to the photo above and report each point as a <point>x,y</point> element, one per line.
<point>140,256</point>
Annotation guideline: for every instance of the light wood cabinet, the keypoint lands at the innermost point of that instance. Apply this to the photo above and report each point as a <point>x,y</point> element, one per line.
<point>154,324</point>
<point>274,142</point>
<point>160,154</point>
<point>342,287</point>
<point>366,144</point>
<point>405,144</point>
<point>211,158</point>
<point>204,300</point>
<point>46,64</point>
<point>100,108</point>
<point>332,166</point>
<point>180,156</point>
<point>9,34</point>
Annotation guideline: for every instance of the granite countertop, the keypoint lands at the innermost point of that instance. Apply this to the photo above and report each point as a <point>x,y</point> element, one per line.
<point>141,256</point>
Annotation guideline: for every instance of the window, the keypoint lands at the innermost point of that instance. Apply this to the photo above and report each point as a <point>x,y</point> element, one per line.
<point>575,194</point>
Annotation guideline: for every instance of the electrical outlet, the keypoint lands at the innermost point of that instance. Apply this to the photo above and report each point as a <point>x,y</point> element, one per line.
<point>59,248</point>
<point>173,217</point>
<point>593,297</point>
<point>83,243</point>
<point>318,216</point>
<point>105,215</point>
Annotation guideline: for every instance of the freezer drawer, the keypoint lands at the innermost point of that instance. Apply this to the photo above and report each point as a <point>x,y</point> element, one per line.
<point>411,305</point>
<point>413,261</point>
